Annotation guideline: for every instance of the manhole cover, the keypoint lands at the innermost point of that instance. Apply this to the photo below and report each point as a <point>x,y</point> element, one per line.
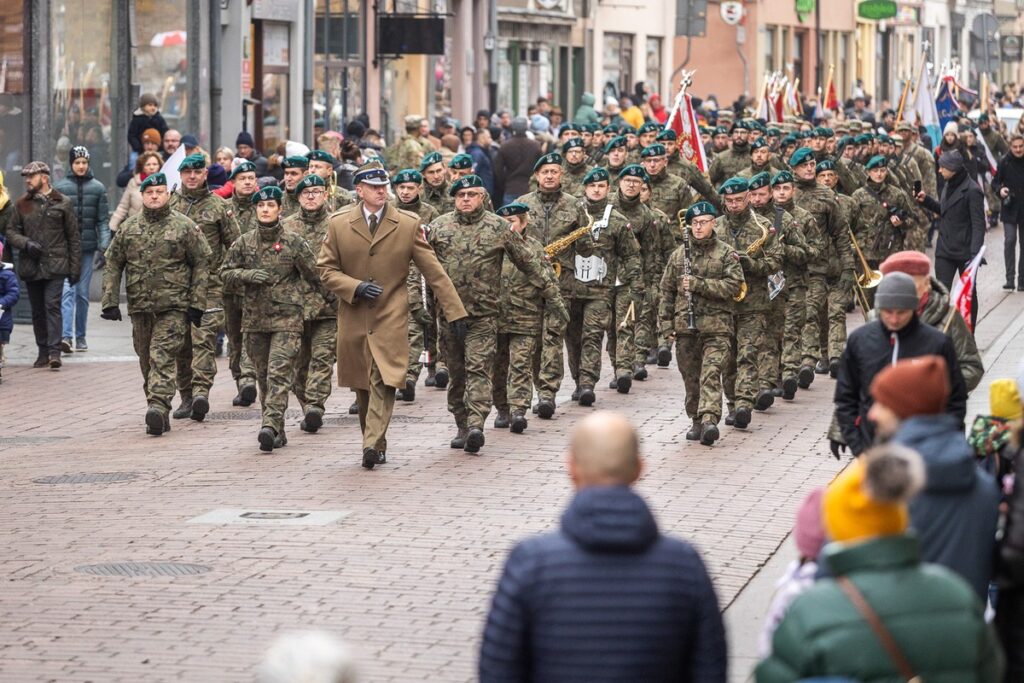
<point>142,569</point>
<point>98,478</point>
<point>266,517</point>
<point>274,515</point>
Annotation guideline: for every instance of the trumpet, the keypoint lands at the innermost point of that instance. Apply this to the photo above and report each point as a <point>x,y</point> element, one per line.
<point>866,279</point>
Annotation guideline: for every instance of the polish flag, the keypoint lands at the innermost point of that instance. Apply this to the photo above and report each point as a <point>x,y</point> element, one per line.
<point>962,294</point>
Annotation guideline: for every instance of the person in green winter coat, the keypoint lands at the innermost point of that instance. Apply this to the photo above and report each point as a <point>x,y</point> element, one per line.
<point>585,113</point>
<point>931,615</point>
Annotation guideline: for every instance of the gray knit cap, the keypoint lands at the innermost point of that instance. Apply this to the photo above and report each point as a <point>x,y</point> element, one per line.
<point>897,291</point>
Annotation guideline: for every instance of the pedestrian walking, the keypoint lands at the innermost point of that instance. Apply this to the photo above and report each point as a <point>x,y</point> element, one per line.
<point>514,164</point>
<point>1009,183</point>
<point>10,292</point>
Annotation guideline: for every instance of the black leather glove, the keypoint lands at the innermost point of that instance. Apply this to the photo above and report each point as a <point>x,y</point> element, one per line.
<point>459,329</point>
<point>837,447</point>
<point>100,261</point>
<point>34,249</point>
<point>194,315</point>
<point>111,313</point>
<point>368,290</point>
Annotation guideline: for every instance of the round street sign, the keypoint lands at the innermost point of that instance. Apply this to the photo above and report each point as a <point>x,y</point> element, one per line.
<point>732,12</point>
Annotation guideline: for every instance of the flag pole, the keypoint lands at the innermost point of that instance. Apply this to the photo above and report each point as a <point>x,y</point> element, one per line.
<point>903,101</point>
<point>678,101</point>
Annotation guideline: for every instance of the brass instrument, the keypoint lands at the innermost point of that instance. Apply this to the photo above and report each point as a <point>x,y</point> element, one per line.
<point>691,315</point>
<point>562,243</point>
<point>754,247</point>
<point>867,279</point>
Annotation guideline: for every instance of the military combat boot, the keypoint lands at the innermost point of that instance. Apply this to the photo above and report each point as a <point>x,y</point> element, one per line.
<point>708,433</point>
<point>587,396</point>
<point>742,418</point>
<point>429,381</point>
<point>614,384</point>
<point>821,367</point>
<point>474,440</point>
<point>639,372</point>
<point>266,437</point>
<point>652,358</point>
<point>354,408</point>
<point>624,384</point>
<point>789,386</point>
<point>184,410</point>
<point>664,356</point>
<point>246,396</point>
<point>441,378</point>
<point>409,393</point>
<point>694,433</point>
<point>313,420</point>
<point>501,421</point>
<point>370,458</point>
<point>518,423</point>
<point>280,440</point>
<point>730,418</point>
<point>764,399</point>
<point>460,439</point>
<point>545,408</point>
<point>806,376</point>
<point>154,421</point>
<point>833,368</point>
<point>200,407</point>
<point>576,393</point>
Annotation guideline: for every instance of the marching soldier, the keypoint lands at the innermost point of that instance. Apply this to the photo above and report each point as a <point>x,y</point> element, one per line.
<point>616,155</point>
<point>460,166</point>
<point>422,320</point>
<point>409,151</point>
<point>698,289</point>
<point>760,159</point>
<point>295,169</point>
<point>879,215</point>
<point>575,167</point>
<point>314,367</point>
<point>242,370</point>
<point>471,244</point>
<point>165,259</point>
<point>435,183</point>
<point>685,170</point>
<point>647,134</point>
<point>197,360</point>
<point>760,255</point>
<point>524,310</point>
<point>668,192</point>
<point>322,163</point>
<point>729,162</point>
<point>276,269</point>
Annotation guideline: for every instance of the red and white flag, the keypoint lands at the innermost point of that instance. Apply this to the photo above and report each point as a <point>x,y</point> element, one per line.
<point>962,294</point>
<point>683,120</point>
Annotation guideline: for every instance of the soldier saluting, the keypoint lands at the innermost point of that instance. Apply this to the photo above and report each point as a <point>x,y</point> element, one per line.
<point>165,261</point>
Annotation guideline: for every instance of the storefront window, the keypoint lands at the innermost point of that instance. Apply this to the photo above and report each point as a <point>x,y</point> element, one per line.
<point>13,95</point>
<point>161,64</point>
<point>618,65</point>
<point>274,84</point>
<point>80,105</point>
<point>654,64</point>
<point>769,48</point>
<point>338,73</point>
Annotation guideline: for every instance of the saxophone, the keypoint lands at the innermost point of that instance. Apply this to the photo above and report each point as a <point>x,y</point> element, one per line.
<point>754,247</point>
<point>562,243</point>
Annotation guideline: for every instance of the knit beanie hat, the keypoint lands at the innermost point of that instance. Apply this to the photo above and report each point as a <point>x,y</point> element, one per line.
<point>950,127</point>
<point>245,138</point>
<point>1004,399</point>
<point>897,291</point>
<point>869,498</point>
<point>809,530</point>
<point>951,160</point>
<point>913,386</point>
<point>147,98</point>
<point>77,152</point>
<point>151,135</point>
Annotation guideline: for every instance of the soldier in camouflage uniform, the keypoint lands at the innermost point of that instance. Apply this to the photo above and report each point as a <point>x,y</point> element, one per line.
<point>708,277</point>
<point>730,162</point>
<point>830,274</point>
<point>407,185</point>
<point>197,361</point>
<point>760,159</point>
<point>648,133</point>
<point>295,169</point>
<point>461,166</point>
<point>669,193</point>
<point>408,152</point>
<point>318,350</point>
<point>553,213</point>
<point>322,163</point>
<point>830,179</point>
<point>435,184</point>
<point>277,270</point>
<point>879,216</point>
<point>471,245</point>
<point>165,259</point>
<point>790,236</point>
<point>243,176</point>
<point>616,156</point>
<point>524,310</point>
<point>589,269</point>
<point>760,254</point>
<point>685,170</point>
<point>575,167</point>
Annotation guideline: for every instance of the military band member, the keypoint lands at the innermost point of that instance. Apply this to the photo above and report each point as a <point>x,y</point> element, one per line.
<point>616,155</point>
<point>576,166</point>
<point>435,183</point>
<point>243,176</point>
<point>760,159</point>
<point>731,161</point>
<point>295,169</point>
<point>668,192</point>
<point>686,170</point>
<point>322,163</point>
<point>880,214</point>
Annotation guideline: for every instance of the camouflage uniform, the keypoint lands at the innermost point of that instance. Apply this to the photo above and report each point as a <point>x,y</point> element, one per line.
<point>552,215</point>
<point>422,316</point>
<point>670,195</point>
<point>729,163</point>
<point>869,220</point>
<point>472,248</point>
<point>338,197</point>
<point>851,175</point>
<point>242,369</point>
<point>319,348</point>
<point>572,179</point>
<point>165,260</point>
<point>407,153</point>
<point>273,312</point>
<point>289,204</point>
<point>628,347</point>
<point>197,361</point>
<point>438,197</point>
<point>697,181</point>
<point>701,354</point>
<point>746,369</point>
<point>524,310</point>
<point>795,293</point>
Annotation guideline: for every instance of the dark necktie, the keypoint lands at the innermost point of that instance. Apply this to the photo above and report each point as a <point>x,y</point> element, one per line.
<point>373,224</point>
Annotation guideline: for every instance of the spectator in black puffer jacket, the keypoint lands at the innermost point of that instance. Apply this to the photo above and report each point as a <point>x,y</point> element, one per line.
<point>145,117</point>
<point>89,198</point>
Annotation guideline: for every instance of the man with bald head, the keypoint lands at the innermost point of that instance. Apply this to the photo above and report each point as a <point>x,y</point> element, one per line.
<point>606,597</point>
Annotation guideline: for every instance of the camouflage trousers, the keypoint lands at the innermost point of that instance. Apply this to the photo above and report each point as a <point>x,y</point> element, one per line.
<point>547,361</point>
<point>512,376</point>
<point>197,360</point>
<point>701,359</point>
<point>825,297</point>
<point>157,338</point>
<point>770,358</point>
<point>242,370</point>
<point>470,364</point>
<point>314,368</point>
<point>275,355</point>
<point>588,320</point>
<point>740,373</point>
<point>422,338</point>
<point>620,345</point>
<point>793,329</point>
<point>917,232</point>
<point>646,327</point>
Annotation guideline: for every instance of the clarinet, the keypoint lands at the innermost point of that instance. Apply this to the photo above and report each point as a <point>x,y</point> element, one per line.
<point>691,314</point>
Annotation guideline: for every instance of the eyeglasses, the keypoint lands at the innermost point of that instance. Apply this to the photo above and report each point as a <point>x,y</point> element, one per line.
<point>311,193</point>
<point>468,194</point>
<point>701,222</point>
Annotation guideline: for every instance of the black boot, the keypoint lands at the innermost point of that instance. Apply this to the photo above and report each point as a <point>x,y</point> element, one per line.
<point>777,392</point>
<point>312,420</point>
<point>625,383</point>
<point>789,386</point>
<point>639,372</point>
<point>501,421</point>
<point>429,381</point>
<point>664,356</point>
<point>266,437</point>
<point>545,408</point>
<point>742,418</point>
<point>806,376</point>
<point>371,458</point>
<point>474,440</point>
<point>708,433</point>
<point>576,393</point>
<point>184,410</point>
<point>730,418</point>
<point>441,378</point>
<point>200,407</point>
<point>354,408</point>
<point>460,439</point>
<point>280,440</point>
<point>587,396</point>
<point>614,384</point>
<point>246,396</point>
<point>652,357</point>
<point>694,433</point>
<point>833,368</point>
<point>154,421</point>
<point>409,393</point>
<point>821,367</point>
<point>42,360</point>
<point>518,423</point>
<point>764,399</point>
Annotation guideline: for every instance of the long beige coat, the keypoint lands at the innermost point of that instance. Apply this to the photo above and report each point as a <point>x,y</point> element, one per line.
<point>379,328</point>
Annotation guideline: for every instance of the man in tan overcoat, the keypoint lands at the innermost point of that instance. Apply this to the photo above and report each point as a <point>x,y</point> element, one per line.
<point>364,260</point>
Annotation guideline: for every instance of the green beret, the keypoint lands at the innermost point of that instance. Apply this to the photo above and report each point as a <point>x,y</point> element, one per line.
<point>700,209</point>
<point>741,125</point>
<point>983,117</point>
<point>270,193</point>
<point>667,134</point>
<point>513,209</point>
<point>572,143</point>
<point>635,171</point>
<point>244,167</point>
<point>734,185</point>
<point>465,183</point>
<point>774,132</point>
<point>192,161</point>
<point>862,139</point>
<point>430,160</point>
<point>461,162</point>
<point>829,133</point>
<point>758,144</point>
<point>788,140</point>
<point>655,150</point>
<point>574,127</point>
<point>759,180</point>
<point>649,127</point>
<point>721,130</point>
<point>844,141</point>
<point>153,179</point>
<point>407,175</point>
<point>312,180</point>
<point>886,140</point>
<point>590,127</point>
<point>757,125</point>
<point>781,178</point>
<point>825,165</point>
<point>614,143</point>
<point>295,162</point>
<point>611,129</point>
<point>320,155</point>
<point>802,155</point>
<point>821,132</point>
<point>549,158</point>
<point>596,175</point>
<point>627,130</point>
<point>877,161</point>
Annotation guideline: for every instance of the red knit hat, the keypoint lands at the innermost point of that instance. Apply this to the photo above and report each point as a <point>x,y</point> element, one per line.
<point>909,262</point>
<point>913,386</point>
